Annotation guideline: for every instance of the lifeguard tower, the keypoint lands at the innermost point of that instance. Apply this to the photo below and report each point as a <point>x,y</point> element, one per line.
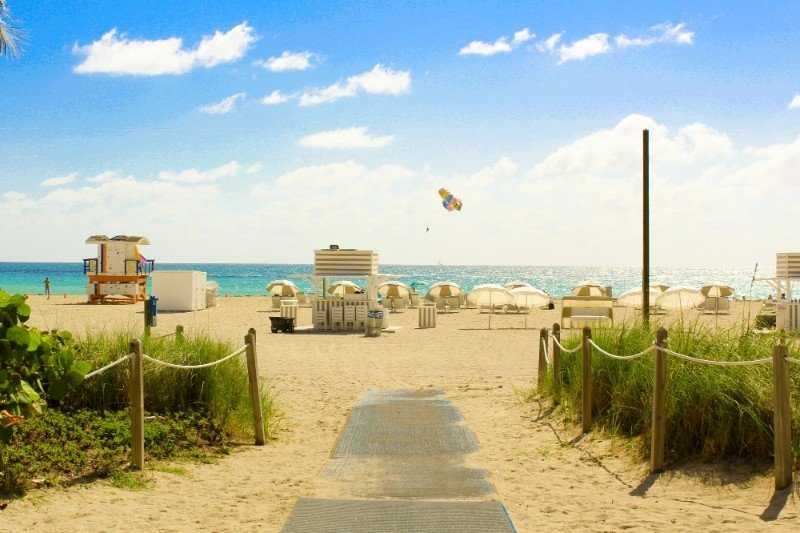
<point>119,272</point>
<point>787,273</point>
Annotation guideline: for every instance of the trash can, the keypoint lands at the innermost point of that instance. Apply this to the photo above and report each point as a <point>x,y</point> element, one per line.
<point>374,322</point>
<point>152,310</point>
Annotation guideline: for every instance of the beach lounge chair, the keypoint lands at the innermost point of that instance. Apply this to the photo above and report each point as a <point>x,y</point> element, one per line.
<point>453,302</point>
<point>440,304</point>
<point>302,300</point>
<point>386,303</point>
<point>276,303</point>
<point>413,301</point>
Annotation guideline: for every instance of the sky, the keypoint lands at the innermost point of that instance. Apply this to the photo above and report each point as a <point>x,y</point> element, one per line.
<point>246,131</point>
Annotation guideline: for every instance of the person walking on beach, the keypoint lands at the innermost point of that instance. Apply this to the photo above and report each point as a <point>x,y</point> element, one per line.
<point>47,287</point>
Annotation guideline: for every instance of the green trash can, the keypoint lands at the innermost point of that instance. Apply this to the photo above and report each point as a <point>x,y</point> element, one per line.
<point>374,322</point>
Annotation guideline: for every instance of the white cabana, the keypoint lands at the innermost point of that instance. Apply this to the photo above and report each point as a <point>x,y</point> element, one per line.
<point>282,287</point>
<point>444,289</point>
<point>490,295</point>
<point>679,298</point>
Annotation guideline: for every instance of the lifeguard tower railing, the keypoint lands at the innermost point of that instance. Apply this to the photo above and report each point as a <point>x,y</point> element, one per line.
<point>132,266</point>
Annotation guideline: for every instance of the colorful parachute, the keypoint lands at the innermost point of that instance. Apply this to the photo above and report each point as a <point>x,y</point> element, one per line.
<point>449,201</point>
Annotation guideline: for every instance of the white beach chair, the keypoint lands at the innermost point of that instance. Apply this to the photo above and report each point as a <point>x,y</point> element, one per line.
<point>349,317</point>
<point>361,317</point>
<point>337,317</point>
<point>413,301</point>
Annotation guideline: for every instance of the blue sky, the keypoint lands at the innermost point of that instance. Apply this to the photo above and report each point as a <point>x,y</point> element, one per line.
<point>259,131</point>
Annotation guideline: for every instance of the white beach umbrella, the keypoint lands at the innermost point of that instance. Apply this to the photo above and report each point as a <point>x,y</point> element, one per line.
<point>395,289</point>
<point>282,287</point>
<point>490,295</point>
<point>716,290</point>
<point>679,298</point>
<point>660,285</point>
<point>340,288</point>
<point>634,297</point>
<point>516,284</point>
<point>589,288</point>
<point>529,297</point>
<point>444,289</point>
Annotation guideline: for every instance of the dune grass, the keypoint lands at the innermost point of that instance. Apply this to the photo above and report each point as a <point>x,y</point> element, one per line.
<point>711,411</point>
<point>221,390</point>
<point>191,414</point>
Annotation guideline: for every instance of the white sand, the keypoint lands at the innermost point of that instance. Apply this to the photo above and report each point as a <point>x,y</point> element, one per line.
<point>547,476</point>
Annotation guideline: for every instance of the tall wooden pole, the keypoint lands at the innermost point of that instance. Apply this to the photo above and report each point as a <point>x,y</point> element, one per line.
<point>646,226</point>
<point>136,391</point>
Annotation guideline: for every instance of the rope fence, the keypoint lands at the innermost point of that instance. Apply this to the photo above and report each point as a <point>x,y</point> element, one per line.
<point>782,406</point>
<point>136,387</point>
<point>108,366</point>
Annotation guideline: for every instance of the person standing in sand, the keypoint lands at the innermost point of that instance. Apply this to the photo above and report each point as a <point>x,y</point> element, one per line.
<point>47,287</point>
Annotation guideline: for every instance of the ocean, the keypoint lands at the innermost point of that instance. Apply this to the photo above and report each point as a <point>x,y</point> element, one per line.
<point>252,279</point>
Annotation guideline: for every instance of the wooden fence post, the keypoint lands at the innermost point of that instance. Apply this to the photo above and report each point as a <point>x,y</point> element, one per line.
<point>586,390</point>
<point>542,369</point>
<point>136,388</point>
<point>179,333</point>
<point>255,393</point>
<point>146,318</point>
<point>556,364</point>
<point>658,426</point>
<point>782,418</point>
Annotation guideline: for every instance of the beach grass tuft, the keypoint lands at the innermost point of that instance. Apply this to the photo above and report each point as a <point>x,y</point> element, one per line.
<point>711,411</point>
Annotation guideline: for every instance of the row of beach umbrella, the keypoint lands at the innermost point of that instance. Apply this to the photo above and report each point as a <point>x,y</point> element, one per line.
<point>522,294</point>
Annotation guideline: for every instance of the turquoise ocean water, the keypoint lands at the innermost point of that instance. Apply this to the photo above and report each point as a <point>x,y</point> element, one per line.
<point>251,279</point>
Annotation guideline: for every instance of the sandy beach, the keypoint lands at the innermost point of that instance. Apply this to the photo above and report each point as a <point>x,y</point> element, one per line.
<point>546,474</point>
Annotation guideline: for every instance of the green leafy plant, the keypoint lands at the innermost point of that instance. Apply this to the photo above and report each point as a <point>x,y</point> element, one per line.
<point>35,368</point>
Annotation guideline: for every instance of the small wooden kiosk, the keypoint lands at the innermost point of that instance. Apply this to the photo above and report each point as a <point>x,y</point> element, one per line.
<point>119,272</point>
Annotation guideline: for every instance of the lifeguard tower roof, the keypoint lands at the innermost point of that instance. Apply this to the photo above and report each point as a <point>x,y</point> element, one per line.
<point>98,239</point>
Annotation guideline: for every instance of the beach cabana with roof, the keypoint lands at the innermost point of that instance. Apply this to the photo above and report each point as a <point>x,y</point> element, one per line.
<point>344,309</point>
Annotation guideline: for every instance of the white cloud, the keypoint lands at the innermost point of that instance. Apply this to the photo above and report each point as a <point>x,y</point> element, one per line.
<point>795,103</point>
<point>225,106</point>
<point>193,175</point>
<point>254,168</point>
<point>592,45</point>
<point>106,175</point>
<point>501,45</point>
<point>115,54</point>
<point>665,33</point>
<point>14,196</point>
<point>288,61</point>
<point>379,80</point>
<point>549,45</point>
<point>356,137</point>
<point>274,98</point>
<point>60,180</point>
